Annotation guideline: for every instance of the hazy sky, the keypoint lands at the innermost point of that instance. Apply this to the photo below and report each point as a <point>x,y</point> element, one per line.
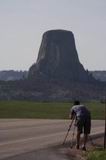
<point>22,23</point>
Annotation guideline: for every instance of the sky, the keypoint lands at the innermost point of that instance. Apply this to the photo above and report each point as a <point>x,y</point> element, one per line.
<point>23,22</point>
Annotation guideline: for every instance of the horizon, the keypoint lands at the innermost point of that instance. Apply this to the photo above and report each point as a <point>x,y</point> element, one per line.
<point>24,22</point>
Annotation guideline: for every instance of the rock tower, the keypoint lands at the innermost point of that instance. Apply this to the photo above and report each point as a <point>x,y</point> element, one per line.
<point>58,58</point>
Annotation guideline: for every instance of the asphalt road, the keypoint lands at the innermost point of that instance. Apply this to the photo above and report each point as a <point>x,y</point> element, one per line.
<point>19,136</point>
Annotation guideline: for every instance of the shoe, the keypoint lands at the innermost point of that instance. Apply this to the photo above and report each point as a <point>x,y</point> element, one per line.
<point>84,148</point>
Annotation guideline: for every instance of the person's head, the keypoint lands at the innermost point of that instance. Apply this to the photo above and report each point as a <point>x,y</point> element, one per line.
<point>76,102</point>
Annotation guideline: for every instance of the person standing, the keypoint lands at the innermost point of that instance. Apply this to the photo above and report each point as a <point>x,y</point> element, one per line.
<point>82,118</point>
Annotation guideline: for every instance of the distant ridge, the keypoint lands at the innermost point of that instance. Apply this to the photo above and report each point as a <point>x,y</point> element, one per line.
<point>99,75</point>
<point>7,75</point>
<point>11,75</point>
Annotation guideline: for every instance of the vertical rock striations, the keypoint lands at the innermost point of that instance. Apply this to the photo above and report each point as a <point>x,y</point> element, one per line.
<point>58,59</point>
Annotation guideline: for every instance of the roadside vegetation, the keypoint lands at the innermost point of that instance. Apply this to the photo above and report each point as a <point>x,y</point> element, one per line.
<point>97,155</point>
<point>51,110</point>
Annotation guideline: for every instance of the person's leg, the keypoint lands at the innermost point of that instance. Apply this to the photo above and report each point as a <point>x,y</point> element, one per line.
<point>78,139</point>
<point>85,141</point>
<point>79,131</point>
<point>87,128</point>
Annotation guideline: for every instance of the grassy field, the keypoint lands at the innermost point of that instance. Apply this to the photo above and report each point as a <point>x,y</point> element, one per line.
<point>52,110</point>
<point>97,155</point>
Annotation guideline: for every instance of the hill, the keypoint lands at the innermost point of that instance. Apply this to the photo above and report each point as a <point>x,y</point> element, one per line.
<point>99,75</point>
<point>11,75</point>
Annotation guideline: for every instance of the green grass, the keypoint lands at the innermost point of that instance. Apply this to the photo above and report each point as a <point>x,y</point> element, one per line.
<point>97,155</point>
<point>97,109</point>
<point>52,110</point>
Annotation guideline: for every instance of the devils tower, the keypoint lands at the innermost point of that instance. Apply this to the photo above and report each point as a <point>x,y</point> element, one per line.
<point>58,58</point>
<point>57,74</point>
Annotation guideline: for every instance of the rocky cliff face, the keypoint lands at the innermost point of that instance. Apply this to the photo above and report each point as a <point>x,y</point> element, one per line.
<point>58,58</point>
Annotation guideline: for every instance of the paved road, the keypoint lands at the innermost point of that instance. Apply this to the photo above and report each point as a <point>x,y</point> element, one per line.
<point>23,135</point>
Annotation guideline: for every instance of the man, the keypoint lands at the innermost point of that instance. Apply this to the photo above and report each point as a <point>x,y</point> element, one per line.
<point>83,122</point>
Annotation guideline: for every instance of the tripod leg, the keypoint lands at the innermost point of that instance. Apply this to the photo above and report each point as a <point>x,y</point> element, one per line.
<point>68,132</point>
<point>65,137</point>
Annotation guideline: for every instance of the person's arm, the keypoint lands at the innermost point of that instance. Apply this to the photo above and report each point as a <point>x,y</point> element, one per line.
<point>72,117</point>
<point>72,114</point>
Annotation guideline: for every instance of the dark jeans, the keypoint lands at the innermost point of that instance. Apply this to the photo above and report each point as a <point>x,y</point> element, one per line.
<point>83,124</point>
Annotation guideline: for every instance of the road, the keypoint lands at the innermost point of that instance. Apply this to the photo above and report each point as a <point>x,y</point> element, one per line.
<point>19,136</point>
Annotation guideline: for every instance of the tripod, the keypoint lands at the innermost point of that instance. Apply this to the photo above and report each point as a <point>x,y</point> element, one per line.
<point>68,132</point>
